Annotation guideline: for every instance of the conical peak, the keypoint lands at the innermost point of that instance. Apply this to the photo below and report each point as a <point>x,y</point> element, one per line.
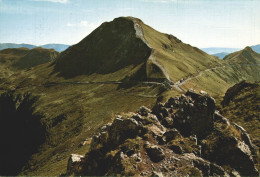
<point>112,46</point>
<point>247,48</point>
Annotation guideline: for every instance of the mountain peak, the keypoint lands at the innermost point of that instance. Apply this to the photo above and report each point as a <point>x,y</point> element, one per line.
<point>245,56</point>
<point>247,48</point>
<point>127,44</point>
<point>112,46</point>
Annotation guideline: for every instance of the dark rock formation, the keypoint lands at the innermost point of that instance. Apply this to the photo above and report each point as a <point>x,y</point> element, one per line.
<point>184,136</point>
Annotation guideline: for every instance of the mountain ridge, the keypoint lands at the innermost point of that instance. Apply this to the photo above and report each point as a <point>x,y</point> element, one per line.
<point>247,55</point>
<point>14,60</point>
<point>221,52</point>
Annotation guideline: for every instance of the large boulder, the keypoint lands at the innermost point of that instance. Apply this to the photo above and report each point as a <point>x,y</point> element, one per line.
<point>226,149</point>
<point>194,114</point>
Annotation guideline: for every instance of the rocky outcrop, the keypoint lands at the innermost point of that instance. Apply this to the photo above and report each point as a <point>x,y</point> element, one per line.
<point>184,136</point>
<point>193,113</point>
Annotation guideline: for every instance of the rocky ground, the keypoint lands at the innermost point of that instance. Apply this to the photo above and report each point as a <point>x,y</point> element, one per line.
<point>184,136</point>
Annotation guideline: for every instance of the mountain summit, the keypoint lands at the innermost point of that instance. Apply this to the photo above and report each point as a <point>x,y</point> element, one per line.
<point>245,56</point>
<point>127,42</point>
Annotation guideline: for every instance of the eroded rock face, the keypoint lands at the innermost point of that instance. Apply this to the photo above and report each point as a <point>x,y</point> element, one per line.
<point>184,136</point>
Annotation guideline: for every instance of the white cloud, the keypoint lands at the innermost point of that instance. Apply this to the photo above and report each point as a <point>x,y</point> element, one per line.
<point>70,24</point>
<point>56,1</point>
<point>82,24</point>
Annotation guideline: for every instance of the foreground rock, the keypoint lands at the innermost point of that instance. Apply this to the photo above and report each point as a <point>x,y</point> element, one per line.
<point>184,136</point>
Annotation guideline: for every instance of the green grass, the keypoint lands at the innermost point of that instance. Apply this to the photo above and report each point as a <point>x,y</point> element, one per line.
<point>247,55</point>
<point>243,109</point>
<point>86,108</point>
<point>179,59</point>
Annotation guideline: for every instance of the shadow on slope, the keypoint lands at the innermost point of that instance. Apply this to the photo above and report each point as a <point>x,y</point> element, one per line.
<point>21,131</point>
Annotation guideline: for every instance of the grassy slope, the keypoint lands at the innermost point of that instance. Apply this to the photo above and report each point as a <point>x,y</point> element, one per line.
<point>216,82</point>
<point>86,107</point>
<point>243,109</point>
<point>247,55</point>
<point>36,57</point>
<point>179,59</point>
<point>16,59</point>
<point>241,65</point>
<point>7,58</point>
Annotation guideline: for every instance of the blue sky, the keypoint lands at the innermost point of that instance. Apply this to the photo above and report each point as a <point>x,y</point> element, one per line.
<point>201,23</point>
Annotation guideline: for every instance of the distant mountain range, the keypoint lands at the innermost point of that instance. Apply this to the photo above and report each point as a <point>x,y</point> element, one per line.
<point>214,50</point>
<point>256,48</point>
<point>57,47</point>
<point>221,55</point>
<point>222,52</point>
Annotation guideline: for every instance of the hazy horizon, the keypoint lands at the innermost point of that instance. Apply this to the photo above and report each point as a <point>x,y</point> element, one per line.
<point>201,23</point>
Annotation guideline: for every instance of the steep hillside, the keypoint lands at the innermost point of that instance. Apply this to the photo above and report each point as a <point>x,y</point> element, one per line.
<point>245,56</point>
<point>238,66</point>
<point>128,42</point>
<point>241,104</point>
<point>109,48</point>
